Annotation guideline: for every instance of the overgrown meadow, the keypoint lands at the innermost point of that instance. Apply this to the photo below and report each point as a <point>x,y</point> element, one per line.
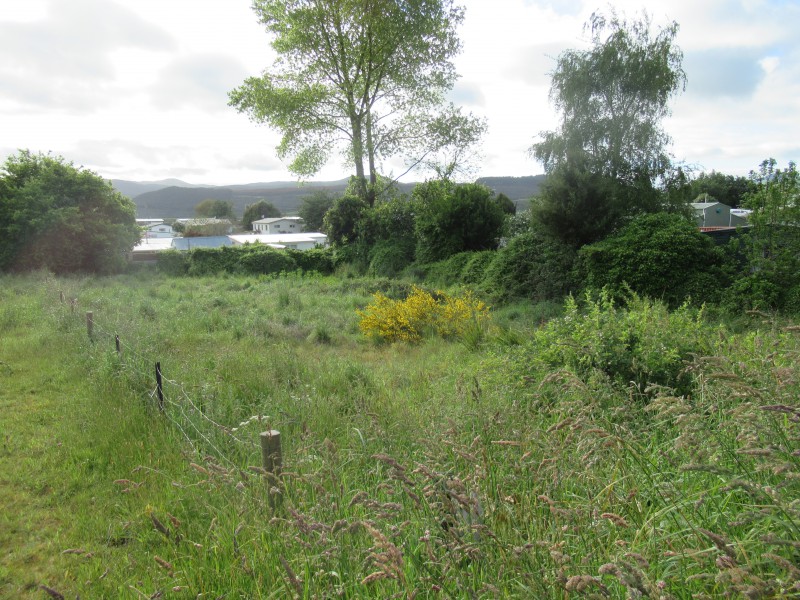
<point>594,451</point>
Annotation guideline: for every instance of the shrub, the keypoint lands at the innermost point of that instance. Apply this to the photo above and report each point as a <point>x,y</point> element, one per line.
<point>266,261</point>
<point>173,262</point>
<point>447,272</point>
<point>320,260</point>
<point>533,265</point>
<point>641,344</point>
<point>421,314</point>
<point>475,270</point>
<point>659,255</point>
<point>389,257</point>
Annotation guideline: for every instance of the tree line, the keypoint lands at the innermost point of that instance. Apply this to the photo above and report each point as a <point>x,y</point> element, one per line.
<point>370,80</point>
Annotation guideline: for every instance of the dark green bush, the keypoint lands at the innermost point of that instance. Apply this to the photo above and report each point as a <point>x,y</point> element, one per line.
<point>447,272</point>
<point>659,255</point>
<point>532,265</point>
<point>266,261</point>
<point>320,260</point>
<point>173,262</point>
<point>210,261</point>
<point>474,272</point>
<point>389,257</point>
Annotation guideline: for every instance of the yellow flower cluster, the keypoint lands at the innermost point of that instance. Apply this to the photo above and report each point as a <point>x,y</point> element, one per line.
<point>421,314</point>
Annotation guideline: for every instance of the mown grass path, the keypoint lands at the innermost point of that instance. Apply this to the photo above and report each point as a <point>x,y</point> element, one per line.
<point>35,391</point>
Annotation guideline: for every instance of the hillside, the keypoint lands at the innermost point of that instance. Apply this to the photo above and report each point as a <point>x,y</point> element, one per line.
<point>173,198</point>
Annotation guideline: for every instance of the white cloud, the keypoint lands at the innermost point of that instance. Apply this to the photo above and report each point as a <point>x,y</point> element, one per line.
<point>137,89</point>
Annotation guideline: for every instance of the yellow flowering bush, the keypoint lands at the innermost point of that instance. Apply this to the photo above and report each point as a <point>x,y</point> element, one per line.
<point>421,314</point>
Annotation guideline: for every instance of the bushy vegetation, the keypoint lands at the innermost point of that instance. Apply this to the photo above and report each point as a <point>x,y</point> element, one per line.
<point>421,314</point>
<point>661,256</point>
<point>67,219</point>
<point>254,259</point>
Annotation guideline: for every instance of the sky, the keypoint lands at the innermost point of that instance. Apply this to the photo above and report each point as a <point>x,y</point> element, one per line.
<point>137,89</point>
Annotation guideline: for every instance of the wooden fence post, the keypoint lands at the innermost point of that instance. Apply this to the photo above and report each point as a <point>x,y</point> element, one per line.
<point>90,324</point>
<point>61,293</point>
<point>272,461</point>
<point>119,348</point>
<point>271,456</point>
<point>159,387</point>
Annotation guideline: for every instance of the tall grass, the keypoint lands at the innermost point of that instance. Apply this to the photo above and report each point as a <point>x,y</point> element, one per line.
<point>527,465</point>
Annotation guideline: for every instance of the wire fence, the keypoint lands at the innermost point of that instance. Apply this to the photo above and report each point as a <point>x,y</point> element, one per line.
<point>205,434</point>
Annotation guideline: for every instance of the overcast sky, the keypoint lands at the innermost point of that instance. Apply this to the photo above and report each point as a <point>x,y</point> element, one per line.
<point>137,89</point>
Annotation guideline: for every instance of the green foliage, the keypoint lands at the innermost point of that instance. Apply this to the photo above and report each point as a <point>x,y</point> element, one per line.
<point>206,227</point>
<point>341,221</point>
<point>319,260</point>
<point>62,218</point>
<point>215,209</point>
<point>608,161</point>
<point>374,74</point>
<point>506,204</point>
<point>173,262</point>
<point>661,256</point>
<point>532,265</point>
<point>642,344</point>
<point>580,207</point>
<point>266,261</point>
<point>476,267</point>
<point>452,218</point>
<point>259,210</point>
<point>388,258</point>
<point>313,209</point>
<point>613,97</point>
<point>773,245</point>
<point>728,189</point>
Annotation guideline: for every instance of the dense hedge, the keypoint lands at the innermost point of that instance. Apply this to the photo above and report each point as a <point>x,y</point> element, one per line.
<point>252,259</point>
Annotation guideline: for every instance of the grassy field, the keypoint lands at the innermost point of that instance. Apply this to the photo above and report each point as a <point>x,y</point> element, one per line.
<point>606,453</point>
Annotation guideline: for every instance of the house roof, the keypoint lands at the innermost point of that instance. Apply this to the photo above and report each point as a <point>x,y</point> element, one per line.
<point>705,205</point>
<point>280,238</point>
<point>277,219</point>
<point>212,241</point>
<point>153,244</point>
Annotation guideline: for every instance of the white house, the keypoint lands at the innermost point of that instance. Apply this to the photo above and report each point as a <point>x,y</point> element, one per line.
<point>159,230</point>
<point>279,225</point>
<point>295,241</point>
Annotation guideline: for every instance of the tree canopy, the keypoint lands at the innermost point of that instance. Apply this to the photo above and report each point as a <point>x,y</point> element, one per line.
<point>313,208</point>
<point>608,159</point>
<point>370,73</point>
<point>214,209</point>
<point>59,217</point>
<point>262,209</point>
<point>613,98</point>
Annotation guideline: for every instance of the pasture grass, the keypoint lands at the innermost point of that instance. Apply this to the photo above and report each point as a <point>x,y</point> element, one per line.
<point>517,463</point>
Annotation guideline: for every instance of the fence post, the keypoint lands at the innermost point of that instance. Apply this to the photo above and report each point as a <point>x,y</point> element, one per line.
<point>61,293</point>
<point>90,324</point>
<point>119,348</point>
<point>159,387</point>
<point>272,461</point>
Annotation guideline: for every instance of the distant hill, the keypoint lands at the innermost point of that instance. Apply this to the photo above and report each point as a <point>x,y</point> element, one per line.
<point>136,188</point>
<point>516,188</point>
<point>175,198</point>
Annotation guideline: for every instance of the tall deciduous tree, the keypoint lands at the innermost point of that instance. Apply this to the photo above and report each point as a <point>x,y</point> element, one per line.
<point>608,159</point>
<point>373,73</point>
<point>59,217</point>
